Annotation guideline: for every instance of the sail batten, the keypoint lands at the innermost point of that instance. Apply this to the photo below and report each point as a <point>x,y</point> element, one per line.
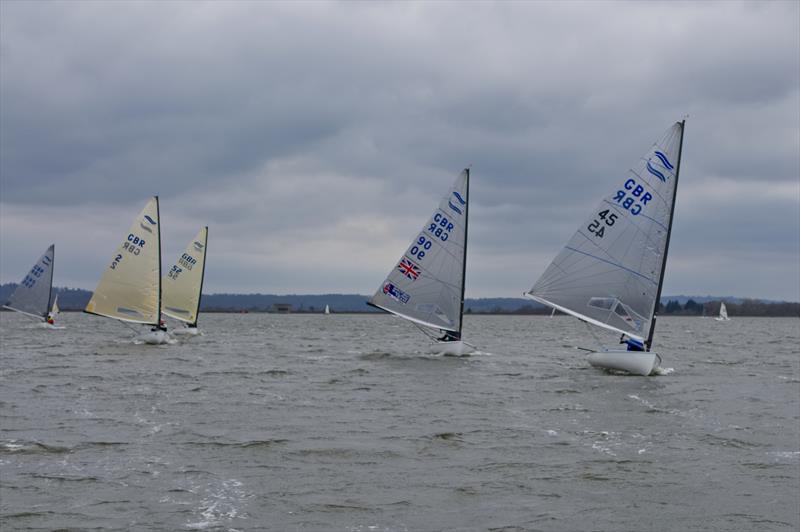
<point>610,272</point>
<point>130,285</point>
<point>427,284</point>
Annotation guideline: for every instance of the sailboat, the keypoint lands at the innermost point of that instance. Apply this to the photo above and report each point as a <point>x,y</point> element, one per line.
<point>130,288</point>
<point>51,316</point>
<point>611,272</point>
<point>32,297</point>
<point>327,309</point>
<point>426,286</point>
<point>723,313</point>
<point>183,284</point>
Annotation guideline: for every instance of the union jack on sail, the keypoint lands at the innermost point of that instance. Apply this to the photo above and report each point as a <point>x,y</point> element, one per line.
<point>409,269</point>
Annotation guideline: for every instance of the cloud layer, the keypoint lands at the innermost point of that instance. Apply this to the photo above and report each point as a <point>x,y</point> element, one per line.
<point>315,138</point>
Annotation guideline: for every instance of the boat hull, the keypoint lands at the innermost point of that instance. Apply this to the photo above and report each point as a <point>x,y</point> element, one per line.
<point>634,362</point>
<point>155,337</point>
<point>186,331</point>
<point>453,349</point>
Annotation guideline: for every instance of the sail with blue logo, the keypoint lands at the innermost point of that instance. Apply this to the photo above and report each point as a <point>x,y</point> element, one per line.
<point>611,270</point>
<point>33,293</point>
<point>426,284</point>
<point>183,283</point>
<point>130,288</point>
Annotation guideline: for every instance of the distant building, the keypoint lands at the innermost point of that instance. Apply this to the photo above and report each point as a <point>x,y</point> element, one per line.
<point>282,308</point>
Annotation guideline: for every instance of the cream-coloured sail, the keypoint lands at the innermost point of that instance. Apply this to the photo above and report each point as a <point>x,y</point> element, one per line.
<point>183,283</point>
<point>54,310</point>
<point>130,288</point>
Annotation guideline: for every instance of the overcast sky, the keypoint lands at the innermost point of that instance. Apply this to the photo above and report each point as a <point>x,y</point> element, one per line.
<point>314,139</point>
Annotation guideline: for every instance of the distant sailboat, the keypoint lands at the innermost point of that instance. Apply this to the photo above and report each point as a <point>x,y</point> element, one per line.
<point>723,313</point>
<point>32,297</point>
<point>327,309</point>
<point>426,287</point>
<point>130,289</point>
<point>54,310</point>
<point>611,271</point>
<point>183,284</point>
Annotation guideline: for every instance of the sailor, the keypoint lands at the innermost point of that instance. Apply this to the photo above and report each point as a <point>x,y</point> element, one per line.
<point>450,336</point>
<point>632,343</point>
<point>162,326</point>
<point>50,320</point>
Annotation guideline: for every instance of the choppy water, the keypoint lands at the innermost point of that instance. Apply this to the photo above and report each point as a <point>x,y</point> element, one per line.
<point>341,423</point>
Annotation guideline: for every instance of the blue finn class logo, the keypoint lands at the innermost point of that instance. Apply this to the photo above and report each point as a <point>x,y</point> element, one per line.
<point>459,199</point>
<point>395,293</point>
<point>664,162</point>
<point>149,220</point>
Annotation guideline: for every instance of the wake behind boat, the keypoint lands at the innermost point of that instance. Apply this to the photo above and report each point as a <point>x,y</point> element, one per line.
<point>426,287</point>
<point>183,285</point>
<point>130,288</point>
<point>611,272</point>
<point>33,294</point>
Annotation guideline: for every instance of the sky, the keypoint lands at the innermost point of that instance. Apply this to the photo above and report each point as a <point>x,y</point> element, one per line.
<point>315,138</point>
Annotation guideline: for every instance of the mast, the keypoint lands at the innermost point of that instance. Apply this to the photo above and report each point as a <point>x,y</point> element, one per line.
<point>649,340</point>
<point>158,216</point>
<point>464,262</point>
<point>202,278</point>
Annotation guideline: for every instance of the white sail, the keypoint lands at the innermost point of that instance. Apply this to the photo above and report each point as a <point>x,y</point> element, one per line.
<point>723,312</point>
<point>32,295</point>
<point>610,272</point>
<point>426,285</point>
<point>183,283</point>
<point>327,309</point>
<point>130,289</point>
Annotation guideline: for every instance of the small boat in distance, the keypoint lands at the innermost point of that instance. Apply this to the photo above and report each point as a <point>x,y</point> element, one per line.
<point>327,309</point>
<point>723,313</point>
<point>183,285</point>
<point>611,271</point>
<point>426,287</point>
<point>32,297</point>
<point>130,288</point>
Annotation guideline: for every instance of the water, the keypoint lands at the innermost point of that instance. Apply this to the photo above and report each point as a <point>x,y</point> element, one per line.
<point>341,423</point>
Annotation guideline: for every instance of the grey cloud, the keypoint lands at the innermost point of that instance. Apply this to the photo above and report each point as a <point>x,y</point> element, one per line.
<point>273,121</point>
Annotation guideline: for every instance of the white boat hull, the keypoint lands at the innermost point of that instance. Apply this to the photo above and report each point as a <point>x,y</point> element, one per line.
<point>186,331</point>
<point>455,349</point>
<point>155,337</point>
<point>634,362</point>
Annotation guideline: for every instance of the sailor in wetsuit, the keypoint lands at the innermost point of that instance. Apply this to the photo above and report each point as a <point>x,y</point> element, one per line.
<point>633,344</point>
<point>450,336</point>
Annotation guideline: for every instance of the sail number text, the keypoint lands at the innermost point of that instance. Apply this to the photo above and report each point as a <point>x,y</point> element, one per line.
<point>133,246</point>
<point>633,198</point>
<point>597,227</point>
<point>187,261</point>
<point>36,272</point>
<point>440,227</point>
<point>174,272</point>
<point>420,247</point>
